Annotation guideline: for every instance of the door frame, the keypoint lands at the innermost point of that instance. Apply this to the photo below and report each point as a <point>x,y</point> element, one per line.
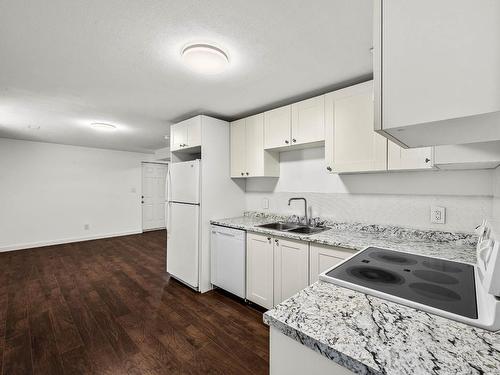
<point>142,195</point>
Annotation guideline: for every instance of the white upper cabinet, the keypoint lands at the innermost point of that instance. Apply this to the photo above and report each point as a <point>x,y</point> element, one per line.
<point>248,157</point>
<point>254,145</point>
<point>308,121</point>
<point>437,71</point>
<point>278,127</point>
<point>399,158</point>
<point>186,135</point>
<point>238,148</point>
<point>481,155</point>
<point>178,137</point>
<point>351,144</point>
<point>193,126</point>
<point>295,126</point>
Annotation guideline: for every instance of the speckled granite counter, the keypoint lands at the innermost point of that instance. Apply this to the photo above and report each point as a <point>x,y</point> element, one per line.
<point>369,335</point>
<point>453,246</point>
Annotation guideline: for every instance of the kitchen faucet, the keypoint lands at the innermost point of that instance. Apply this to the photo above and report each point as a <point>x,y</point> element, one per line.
<point>305,207</point>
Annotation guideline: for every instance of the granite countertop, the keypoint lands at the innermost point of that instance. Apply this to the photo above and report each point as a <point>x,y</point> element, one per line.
<point>369,335</point>
<point>452,246</point>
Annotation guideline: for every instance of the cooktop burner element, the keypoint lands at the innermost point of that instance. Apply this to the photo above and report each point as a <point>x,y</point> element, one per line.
<point>436,277</point>
<point>442,284</point>
<point>376,275</point>
<point>391,258</point>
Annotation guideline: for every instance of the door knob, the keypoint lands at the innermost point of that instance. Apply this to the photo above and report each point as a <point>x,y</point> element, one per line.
<point>142,202</point>
<point>242,173</point>
<point>329,169</point>
<point>248,173</point>
<point>294,140</point>
<point>287,142</point>
<point>427,160</point>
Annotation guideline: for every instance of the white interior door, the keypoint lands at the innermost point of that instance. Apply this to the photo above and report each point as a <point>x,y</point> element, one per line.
<point>153,195</point>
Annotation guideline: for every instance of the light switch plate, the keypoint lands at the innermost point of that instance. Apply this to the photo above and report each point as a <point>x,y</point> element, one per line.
<point>265,203</point>
<point>438,215</point>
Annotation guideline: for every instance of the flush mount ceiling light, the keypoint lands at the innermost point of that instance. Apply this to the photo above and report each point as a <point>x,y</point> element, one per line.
<point>205,58</point>
<point>102,126</point>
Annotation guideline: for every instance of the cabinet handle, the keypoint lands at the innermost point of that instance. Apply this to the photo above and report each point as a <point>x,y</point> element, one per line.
<point>242,173</point>
<point>329,169</point>
<point>427,160</point>
<point>287,142</point>
<point>248,173</point>
<point>276,240</point>
<point>294,140</point>
<point>269,238</point>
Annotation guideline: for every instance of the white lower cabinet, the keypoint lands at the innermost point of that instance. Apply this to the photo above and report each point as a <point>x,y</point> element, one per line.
<point>291,268</point>
<point>260,269</point>
<point>322,257</point>
<point>277,268</point>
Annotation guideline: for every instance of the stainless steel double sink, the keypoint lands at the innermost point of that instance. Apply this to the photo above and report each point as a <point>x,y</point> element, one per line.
<point>293,228</point>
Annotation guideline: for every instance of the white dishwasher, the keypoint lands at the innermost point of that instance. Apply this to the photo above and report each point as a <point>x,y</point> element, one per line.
<point>228,263</point>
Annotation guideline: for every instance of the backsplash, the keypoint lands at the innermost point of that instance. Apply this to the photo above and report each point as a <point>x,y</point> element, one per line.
<point>382,231</point>
<point>398,198</point>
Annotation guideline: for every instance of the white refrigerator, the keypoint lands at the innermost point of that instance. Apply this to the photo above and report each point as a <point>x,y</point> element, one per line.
<point>183,222</point>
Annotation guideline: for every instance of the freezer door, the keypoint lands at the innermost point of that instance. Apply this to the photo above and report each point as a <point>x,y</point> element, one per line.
<point>182,242</point>
<point>184,182</point>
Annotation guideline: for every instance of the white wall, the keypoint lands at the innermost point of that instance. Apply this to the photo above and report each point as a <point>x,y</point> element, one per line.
<point>48,192</point>
<point>400,198</point>
<point>162,154</point>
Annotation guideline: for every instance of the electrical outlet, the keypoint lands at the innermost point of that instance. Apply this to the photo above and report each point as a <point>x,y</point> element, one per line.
<point>265,203</point>
<point>438,215</point>
<point>86,226</point>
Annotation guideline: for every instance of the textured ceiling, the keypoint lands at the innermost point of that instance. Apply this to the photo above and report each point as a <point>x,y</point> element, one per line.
<point>65,64</point>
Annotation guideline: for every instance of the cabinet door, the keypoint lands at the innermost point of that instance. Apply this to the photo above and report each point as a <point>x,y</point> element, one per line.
<point>357,148</point>
<point>291,273</point>
<point>433,103</point>
<point>238,148</point>
<point>330,130</point>
<point>178,137</point>
<point>322,257</point>
<point>399,158</point>
<point>277,127</point>
<point>260,269</point>
<point>193,126</point>
<point>308,120</point>
<point>255,145</point>
<point>468,156</point>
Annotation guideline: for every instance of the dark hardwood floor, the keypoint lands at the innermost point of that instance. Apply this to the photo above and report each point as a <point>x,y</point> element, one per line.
<point>108,307</point>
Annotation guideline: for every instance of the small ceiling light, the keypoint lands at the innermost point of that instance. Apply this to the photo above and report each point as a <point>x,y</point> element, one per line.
<point>102,126</point>
<point>205,58</point>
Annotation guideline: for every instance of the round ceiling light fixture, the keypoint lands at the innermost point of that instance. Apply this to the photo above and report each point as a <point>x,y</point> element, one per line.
<point>102,126</point>
<point>205,58</point>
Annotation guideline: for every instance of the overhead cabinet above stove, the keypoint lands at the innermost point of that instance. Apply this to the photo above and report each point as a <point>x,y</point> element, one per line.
<point>437,71</point>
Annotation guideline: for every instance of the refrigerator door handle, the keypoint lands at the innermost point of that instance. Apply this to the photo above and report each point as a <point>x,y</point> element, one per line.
<point>167,218</point>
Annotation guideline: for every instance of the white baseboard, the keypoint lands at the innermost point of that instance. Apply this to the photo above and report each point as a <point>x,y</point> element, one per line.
<point>30,245</point>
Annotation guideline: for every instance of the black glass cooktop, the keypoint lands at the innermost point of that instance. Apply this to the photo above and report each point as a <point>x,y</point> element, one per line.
<point>443,284</point>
